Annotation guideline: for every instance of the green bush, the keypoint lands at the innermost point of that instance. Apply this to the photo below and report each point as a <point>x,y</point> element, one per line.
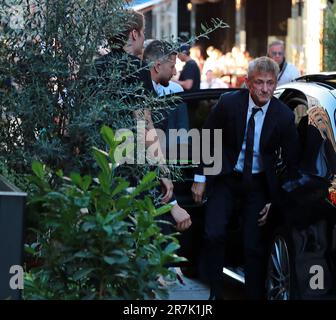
<point>53,102</point>
<point>330,38</point>
<point>97,239</point>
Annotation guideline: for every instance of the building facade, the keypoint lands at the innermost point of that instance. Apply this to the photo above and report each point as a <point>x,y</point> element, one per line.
<point>255,23</point>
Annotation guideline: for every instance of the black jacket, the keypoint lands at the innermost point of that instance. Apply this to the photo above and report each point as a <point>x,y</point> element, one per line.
<point>131,69</point>
<point>278,133</point>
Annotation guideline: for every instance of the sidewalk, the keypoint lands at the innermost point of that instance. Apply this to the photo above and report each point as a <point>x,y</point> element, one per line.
<point>192,289</point>
<point>187,289</point>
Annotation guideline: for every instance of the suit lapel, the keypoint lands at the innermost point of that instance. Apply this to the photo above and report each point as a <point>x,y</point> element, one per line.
<point>241,114</point>
<point>269,124</point>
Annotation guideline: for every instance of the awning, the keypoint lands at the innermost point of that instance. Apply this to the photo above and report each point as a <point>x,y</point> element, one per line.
<point>145,5</point>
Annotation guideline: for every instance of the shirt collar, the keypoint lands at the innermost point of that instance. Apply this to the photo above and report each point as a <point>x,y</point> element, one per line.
<point>252,104</point>
<point>157,87</point>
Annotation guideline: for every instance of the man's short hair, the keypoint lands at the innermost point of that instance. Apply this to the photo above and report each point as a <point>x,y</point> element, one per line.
<point>276,43</point>
<point>185,48</point>
<point>158,50</point>
<point>129,20</point>
<point>263,64</point>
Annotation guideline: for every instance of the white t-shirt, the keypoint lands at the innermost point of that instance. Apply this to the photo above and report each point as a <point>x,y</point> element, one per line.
<point>173,87</point>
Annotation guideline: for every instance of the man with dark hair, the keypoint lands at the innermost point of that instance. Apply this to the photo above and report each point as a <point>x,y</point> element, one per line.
<point>132,23</point>
<point>190,77</point>
<point>126,47</point>
<point>254,127</point>
<point>161,57</point>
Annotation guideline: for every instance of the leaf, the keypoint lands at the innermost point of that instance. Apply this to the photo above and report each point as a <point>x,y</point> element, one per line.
<point>101,160</point>
<point>80,274</point>
<point>86,182</point>
<point>59,173</point>
<point>171,248</point>
<point>116,260</point>
<point>82,202</point>
<point>83,254</point>
<point>88,226</point>
<point>123,185</point>
<point>108,136</point>
<point>30,250</point>
<point>108,230</point>
<point>164,209</point>
<point>38,169</point>
<point>76,178</point>
<point>146,183</point>
<point>149,177</point>
<point>58,196</point>
<point>104,182</point>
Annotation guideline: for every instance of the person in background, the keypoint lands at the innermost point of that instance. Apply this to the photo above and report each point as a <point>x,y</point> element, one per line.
<point>190,76</point>
<point>288,72</point>
<point>162,59</point>
<point>127,47</point>
<point>196,54</point>
<point>211,82</point>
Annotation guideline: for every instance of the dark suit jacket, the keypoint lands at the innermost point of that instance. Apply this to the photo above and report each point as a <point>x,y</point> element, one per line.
<point>132,69</point>
<point>278,132</point>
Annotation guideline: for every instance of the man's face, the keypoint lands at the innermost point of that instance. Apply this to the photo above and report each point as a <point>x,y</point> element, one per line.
<point>276,52</point>
<point>182,56</point>
<point>166,70</point>
<point>209,75</point>
<point>139,39</point>
<point>261,86</point>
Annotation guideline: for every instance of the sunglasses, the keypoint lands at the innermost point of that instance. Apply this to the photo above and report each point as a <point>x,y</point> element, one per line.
<point>276,53</point>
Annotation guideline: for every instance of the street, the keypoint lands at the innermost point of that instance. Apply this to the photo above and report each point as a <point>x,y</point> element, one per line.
<point>192,289</point>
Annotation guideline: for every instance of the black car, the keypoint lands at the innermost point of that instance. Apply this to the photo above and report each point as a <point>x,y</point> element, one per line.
<point>302,235</point>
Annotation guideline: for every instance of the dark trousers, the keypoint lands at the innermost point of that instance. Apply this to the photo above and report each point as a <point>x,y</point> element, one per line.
<point>226,190</point>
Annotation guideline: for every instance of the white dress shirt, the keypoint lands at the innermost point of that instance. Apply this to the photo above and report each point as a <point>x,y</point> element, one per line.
<point>257,165</point>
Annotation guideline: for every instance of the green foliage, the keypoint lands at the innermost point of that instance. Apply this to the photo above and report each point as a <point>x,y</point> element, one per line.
<point>330,38</point>
<point>97,238</point>
<point>52,99</point>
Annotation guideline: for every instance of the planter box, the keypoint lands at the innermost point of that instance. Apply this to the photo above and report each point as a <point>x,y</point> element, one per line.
<point>12,212</point>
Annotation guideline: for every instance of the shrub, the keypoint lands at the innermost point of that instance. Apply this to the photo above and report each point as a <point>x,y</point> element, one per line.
<point>52,100</point>
<point>97,239</point>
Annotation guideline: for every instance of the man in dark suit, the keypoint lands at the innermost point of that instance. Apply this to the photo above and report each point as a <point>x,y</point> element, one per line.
<point>254,127</point>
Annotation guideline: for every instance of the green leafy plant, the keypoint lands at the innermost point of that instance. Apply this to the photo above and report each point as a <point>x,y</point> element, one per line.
<point>53,102</point>
<point>97,238</point>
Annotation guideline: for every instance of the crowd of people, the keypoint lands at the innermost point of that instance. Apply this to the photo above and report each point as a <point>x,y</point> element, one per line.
<point>254,126</point>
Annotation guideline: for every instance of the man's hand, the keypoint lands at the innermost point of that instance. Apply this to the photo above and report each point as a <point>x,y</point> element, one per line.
<point>181,217</point>
<point>197,190</point>
<point>167,189</point>
<point>264,213</point>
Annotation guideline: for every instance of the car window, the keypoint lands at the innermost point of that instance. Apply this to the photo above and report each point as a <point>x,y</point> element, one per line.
<point>297,101</point>
<point>198,111</point>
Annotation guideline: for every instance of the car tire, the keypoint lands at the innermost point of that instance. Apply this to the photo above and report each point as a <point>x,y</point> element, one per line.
<point>280,276</point>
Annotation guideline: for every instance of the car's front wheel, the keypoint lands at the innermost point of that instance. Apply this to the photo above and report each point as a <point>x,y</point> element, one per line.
<point>280,271</point>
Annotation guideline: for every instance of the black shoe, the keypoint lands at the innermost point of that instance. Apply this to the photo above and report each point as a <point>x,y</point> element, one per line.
<point>212,295</point>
